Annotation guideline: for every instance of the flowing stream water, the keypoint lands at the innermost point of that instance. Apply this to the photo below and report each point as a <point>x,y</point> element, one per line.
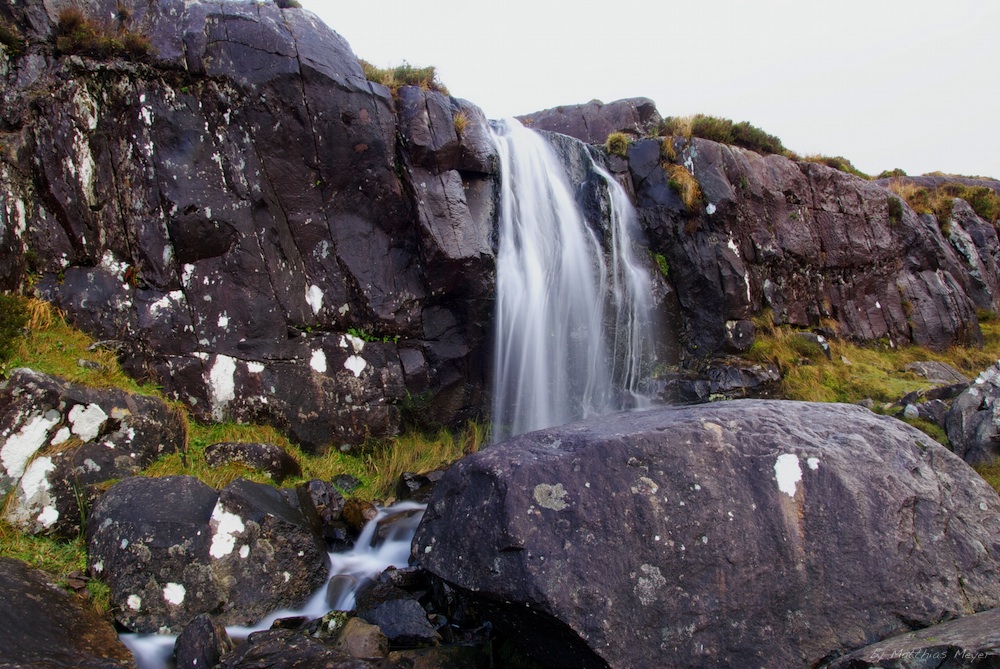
<point>372,554</point>
<point>575,324</point>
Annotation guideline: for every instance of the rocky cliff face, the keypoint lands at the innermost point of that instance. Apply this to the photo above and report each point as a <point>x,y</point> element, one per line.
<point>250,221</point>
<point>272,237</point>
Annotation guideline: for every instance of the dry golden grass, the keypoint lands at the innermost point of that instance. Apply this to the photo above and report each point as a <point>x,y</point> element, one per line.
<point>686,185</point>
<point>461,121</point>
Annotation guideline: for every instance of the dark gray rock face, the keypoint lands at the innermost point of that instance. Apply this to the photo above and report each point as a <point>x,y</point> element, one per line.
<point>59,441</point>
<point>973,422</point>
<point>593,121</point>
<point>202,644</point>
<point>173,548</point>
<point>732,534</point>
<point>43,626</point>
<point>972,642</point>
<point>810,244</point>
<point>239,203</point>
<point>284,649</point>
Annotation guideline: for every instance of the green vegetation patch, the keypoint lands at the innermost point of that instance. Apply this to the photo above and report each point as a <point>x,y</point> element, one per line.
<point>404,75</point>
<point>873,371</point>
<point>77,34</point>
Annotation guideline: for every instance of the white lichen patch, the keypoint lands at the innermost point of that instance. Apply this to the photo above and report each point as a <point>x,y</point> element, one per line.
<point>644,486</point>
<point>551,496</point>
<point>87,421</point>
<point>222,384</point>
<point>174,593</point>
<point>134,602</point>
<point>813,463</point>
<point>226,527</point>
<point>48,517</point>
<point>314,296</point>
<point>357,343</point>
<point>255,367</point>
<point>244,552</point>
<point>223,321</point>
<point>787,472</point>
<point>318,361</point>
<point>62,436</point>
<point>355,364</point>
<point>19,448</point>
<point>649,582</point>
<point>710,209</point>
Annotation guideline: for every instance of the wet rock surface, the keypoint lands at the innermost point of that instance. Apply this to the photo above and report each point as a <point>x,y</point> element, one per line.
<point>43,626</point>
<point>59,441</point>
<point>735,533</point>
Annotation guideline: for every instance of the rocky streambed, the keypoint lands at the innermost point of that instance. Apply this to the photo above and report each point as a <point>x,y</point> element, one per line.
<point>731,534</point>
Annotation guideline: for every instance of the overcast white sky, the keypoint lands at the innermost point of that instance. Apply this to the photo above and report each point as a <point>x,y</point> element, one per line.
<point>913,84</point>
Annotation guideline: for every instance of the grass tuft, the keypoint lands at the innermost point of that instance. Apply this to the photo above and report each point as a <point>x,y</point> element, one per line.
<point>77,34</point>
<point>686,185</point>
<point>461,121</point>
<point>617,144</point>
<point>939,201</point>
<point>404,75</point>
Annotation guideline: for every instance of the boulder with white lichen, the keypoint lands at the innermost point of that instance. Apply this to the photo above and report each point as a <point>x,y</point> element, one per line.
<point>731,534</point>
<point>59,441</point>
<point>172,548</point>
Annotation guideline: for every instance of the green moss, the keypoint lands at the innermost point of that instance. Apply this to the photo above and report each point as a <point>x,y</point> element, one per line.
<point>895,207</point>
<point>662,265</point>
<point>990,472</point>
<point>13,318</point>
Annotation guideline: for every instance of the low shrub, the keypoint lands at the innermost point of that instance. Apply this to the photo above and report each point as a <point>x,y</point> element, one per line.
<point>404,75</point>
<point>891,174</point>
<point>617,144</point>
<point>939,201</point>
<point>288,4</point>
<point>724,131</point>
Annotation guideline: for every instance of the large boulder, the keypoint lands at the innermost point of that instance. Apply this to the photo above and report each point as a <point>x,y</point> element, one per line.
<point>739,533</point>
<point>60,441</point>
<point>172,548</point>
<point>973,422</point>
<point>43,626</point>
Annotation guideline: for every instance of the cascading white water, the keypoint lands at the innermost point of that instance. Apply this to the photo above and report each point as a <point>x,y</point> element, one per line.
<point>573,335</point>
<point>349,570</point>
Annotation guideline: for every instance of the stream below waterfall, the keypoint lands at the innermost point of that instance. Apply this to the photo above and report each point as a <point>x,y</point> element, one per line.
<point>349,570</point>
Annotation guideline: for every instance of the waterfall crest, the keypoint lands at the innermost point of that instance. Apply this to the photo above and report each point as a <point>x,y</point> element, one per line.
<point>575,324</point>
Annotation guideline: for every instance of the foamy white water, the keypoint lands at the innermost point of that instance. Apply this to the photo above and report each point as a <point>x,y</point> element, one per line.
<point>574,320</point>
<point>349,570</point>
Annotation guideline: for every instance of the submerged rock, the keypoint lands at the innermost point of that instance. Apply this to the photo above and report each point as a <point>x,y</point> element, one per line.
<point>737,533</point>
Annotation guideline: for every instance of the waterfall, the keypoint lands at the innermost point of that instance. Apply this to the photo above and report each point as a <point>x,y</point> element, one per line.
<point>575,325</point>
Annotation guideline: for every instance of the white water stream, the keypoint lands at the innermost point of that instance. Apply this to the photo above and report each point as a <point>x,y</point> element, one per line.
<point>349,570</point>
<point>575,323</point>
